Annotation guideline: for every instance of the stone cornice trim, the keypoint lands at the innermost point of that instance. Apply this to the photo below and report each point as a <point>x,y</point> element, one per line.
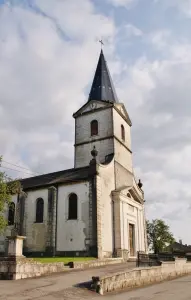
<point>57,185</point>
<point>134,193</point>
<point>94,140</point>
<point>102,139</point>
<point>78,114</point>
<point>122,144</point>
<point>125,119</point>
<point>136,198</point>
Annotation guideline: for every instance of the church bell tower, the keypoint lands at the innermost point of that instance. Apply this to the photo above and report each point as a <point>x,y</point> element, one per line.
<point>102,122</point>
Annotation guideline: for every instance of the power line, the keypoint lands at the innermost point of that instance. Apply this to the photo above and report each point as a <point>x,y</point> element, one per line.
<point>33,174</point>
<point>17,166</point>
<point>48,175</point>
<point>17,170</point>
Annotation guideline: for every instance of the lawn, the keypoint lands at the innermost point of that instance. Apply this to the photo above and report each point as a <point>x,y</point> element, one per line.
<point>62,259</point>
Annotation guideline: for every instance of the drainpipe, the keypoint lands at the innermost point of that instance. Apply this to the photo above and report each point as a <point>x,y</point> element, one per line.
<point>138,233</point>
<point>113,208</point>
<point>123,228</point>
<point>56,207</point>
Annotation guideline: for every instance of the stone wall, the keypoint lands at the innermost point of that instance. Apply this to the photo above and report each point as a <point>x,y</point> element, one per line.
<point>141,276</point>
<point>117,122</point>
<point>20,268</point>
<point>72,234</point>
<point>123,177</point>
<point>105,184</point>
<point>132,213</point>
<point>35,232</point>
<point>128,211</point>
<point>95,263</point>
<point>84,141</point>
<point>14,269</point>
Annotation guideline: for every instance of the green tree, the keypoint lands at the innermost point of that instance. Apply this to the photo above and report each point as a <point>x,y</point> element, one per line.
<point>159,236</point>
<point>8,187</point>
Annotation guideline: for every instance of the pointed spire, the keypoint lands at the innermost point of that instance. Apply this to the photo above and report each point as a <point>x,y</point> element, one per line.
<point>102,87</point>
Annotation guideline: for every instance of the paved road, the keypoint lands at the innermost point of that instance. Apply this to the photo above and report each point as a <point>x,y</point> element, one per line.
<point>58,286</point>
<point>62,286</point>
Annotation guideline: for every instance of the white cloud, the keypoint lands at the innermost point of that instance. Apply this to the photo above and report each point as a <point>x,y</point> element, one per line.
<point>157,94</point>
<point>182,5</point>
<point>125,3</point>
<point>48,57</point>
<point>160,38</point>
<point>132,30</point>
<point>46,61</point>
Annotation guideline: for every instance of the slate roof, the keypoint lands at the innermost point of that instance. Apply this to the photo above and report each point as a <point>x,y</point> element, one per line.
<point>60,177</point>
<point>102,86</point>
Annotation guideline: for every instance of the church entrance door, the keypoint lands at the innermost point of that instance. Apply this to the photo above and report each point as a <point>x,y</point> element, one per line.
<point>132,239</point>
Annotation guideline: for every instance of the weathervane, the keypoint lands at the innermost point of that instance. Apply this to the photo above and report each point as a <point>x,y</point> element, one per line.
<point>101,42</point>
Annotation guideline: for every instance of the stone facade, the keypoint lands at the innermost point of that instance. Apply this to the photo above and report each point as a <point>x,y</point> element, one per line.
<point>15,266</point>
<point>109,220</point>
<point>72,234</point>
<point>128,211</point>
<point>105,184</point>
<point>103,141</point>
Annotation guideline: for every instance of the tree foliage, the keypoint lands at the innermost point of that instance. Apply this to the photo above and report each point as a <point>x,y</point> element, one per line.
<point>159,236</point>
<point>8,187</point>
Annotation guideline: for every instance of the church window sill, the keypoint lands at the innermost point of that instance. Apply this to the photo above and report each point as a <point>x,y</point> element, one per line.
<point>94,135</point>
<point>38,222</point>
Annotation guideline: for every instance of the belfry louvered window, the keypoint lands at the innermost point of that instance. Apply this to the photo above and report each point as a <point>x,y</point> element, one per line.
<point>122,132</point>
<point>94,127</point>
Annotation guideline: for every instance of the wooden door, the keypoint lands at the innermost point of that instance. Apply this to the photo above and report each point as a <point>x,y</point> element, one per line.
<point>131,239</point>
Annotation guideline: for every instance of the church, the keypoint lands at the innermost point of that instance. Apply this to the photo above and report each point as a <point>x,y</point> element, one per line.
<point>97,207</point>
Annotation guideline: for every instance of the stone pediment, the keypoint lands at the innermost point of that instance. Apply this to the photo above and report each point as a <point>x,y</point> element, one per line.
<point>92,105</point>
<point>130,192</point>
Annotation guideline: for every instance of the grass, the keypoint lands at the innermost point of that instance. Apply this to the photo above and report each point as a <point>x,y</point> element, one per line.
<point>61,259</point>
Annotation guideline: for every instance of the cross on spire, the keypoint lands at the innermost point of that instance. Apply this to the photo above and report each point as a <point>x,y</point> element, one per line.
<point>101,42</point>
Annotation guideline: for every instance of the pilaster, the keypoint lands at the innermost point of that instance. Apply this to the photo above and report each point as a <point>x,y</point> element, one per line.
<point>117,224</point>
<point>99,218</point>
<point>51,221</point>
<point>93,209</point>
<point>25,222</point>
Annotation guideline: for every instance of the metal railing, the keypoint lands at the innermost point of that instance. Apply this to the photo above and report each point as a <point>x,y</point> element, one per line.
<point>150,260</point>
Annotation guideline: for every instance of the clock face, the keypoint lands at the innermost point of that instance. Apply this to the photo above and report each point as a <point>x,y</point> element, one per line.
<point>93,105</point>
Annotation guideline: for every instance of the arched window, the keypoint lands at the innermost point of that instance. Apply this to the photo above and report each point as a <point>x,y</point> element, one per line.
<point>73,207</point>
<point>39,210</point>
<point>11,213</point>
<point>94,127</point>
<point>122,132</point>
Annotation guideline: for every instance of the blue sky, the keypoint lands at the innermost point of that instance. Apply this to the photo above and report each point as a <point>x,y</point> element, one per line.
<point>48,54</point>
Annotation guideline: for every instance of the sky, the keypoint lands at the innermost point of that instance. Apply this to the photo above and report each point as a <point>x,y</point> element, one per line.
<point>48,55</point>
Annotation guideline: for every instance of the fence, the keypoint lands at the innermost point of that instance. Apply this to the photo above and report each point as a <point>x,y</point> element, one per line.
<point>143,260</point>
<point>150,260</point>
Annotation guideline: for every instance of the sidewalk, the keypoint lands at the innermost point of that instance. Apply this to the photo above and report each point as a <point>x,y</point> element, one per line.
<point>57,286</point>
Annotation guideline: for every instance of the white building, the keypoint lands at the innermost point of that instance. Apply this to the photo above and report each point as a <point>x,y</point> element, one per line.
<point>96,208</point>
